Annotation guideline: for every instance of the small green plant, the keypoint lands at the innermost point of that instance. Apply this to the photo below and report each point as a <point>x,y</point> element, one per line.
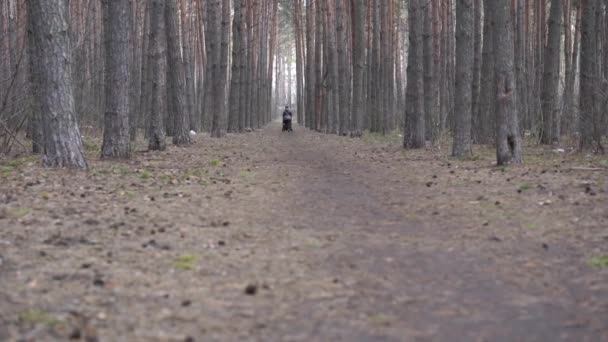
<point>599,262</point>
<point>39,317</point>
<point>215,162</point>
<point>6,170</point>
<point>185,262</point>
<point>312,243</point>
<point>524,187</point>
<point>145,174</point>
<point>21,212</point>
<point>90,146</point>
<point>531,226</point>
<point>380,320</point>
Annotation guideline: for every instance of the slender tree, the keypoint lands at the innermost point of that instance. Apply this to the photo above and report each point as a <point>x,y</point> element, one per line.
<point>464,78</point>
<point>550,86</point>
<point>157,75</point>
<point>177,92</point>
<point>414,135</point>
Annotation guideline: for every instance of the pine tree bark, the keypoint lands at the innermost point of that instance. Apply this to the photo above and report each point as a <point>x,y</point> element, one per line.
<point>333,30</point>
<point>550,86</point>
<point>477,62</point>
<point>189,67</point>
<point>508,139</point>
<point>483,130</point>
<point>156,135</point>
<point>218,124</point>
<point>358,48</point>
<point>588,76</point>
<point>177,91</point>
<point>427,56</point>
<point>344,85</point>
<point>235,90</point>
<point>116,142</point>
<point>53,65</point>
<point>414,135</point>
<point>464,78</point>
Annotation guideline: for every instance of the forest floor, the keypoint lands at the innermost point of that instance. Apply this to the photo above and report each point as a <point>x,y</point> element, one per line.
<point>305,237</point>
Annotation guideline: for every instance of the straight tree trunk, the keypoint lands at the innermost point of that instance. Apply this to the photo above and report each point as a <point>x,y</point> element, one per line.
<point>335,54</point>
<point>588,76</point>
<point>156,136</point>
<point>508,139</point>
<point>189,68</point>
<point>53,65</point>
<point>484,129</point>
<point>427,55</point>
<point>235,86</point>
<point>358,48</point>
<point>343,81</point>
<point>176,90</point>
<point>218,124</point>
<point>550,86</point>
<point>116,142</point>
<point>465,23</point>
<point>477,62</point>
<point>414,135</point>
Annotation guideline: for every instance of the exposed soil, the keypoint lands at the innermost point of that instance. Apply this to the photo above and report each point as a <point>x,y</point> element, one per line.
<point>271,236</point>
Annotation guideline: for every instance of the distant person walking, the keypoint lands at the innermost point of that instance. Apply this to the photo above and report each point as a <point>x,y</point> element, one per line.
<point>287,120</point>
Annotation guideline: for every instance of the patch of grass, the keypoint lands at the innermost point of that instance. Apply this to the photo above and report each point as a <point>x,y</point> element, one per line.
<point>215,162</point>
<point>393,137</point>
<point>120,170</point>
<point>90,145</point>
<point>245,174</point>
<point>524,187</point>
<point>145,174</point>
<point>185,262</point>
<point>6,170</point>
<point>15,164</point>
<point>380,320</point>
<point>39,317</point>
<point>21,212</point>
<point>531,226</point>
<point>311,243</point>
<point>599,262</point>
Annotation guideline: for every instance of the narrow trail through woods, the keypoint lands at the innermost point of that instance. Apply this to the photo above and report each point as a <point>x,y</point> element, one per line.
<point>271,236</point>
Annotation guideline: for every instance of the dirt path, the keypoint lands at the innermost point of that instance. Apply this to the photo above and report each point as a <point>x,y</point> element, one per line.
<point>303,237</point>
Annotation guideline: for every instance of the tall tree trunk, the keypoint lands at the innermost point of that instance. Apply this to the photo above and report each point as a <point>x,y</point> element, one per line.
<point>335,54</point>
<point>156,136</point>
<point>414,135</point>
<point>235,86</point>
<point>358,48</point>
<point>427,55</point>
<point>189,68</point>
<point>177,92</point>
<point>116,142</point>
<point>508,139</point>
<point>550,86</point>
<point>243,71</point>
<point>464,78</point>
<point>477,62</point>
<point>344,85</point>
<point>218,124</point>
<point>484,129</point>
<point>53,65</point>
<point>588,76</point>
